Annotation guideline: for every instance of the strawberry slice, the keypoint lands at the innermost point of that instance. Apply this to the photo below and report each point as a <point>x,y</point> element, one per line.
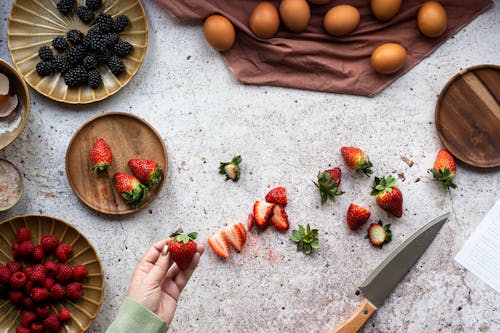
<point>262,212</point>
<point>277,196</point>
<point>280,219</point>
<point>379,234</point>
<point>219,245</point>
<point>236,235</point>
<point>250,222</point>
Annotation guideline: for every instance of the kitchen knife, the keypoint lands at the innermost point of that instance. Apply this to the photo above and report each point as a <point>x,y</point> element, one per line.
<point>380,283</point>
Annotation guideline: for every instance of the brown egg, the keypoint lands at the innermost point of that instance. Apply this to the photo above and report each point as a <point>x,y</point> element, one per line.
<point>295,14</point>
<point>432,19</point>
<point>219,32</point>
<point>341,20</point>
<point>388,58</point>
<point>264,20</point>
<point>319,2</point>
<point>384,10</point>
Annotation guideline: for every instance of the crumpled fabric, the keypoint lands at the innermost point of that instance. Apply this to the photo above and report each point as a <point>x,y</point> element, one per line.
<point>314,60</point>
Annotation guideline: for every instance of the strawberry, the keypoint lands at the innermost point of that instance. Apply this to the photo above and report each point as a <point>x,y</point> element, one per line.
<point>57,292</point>
<point>148,172</point>
<point>357,216</point>
<point>79,272</point>
<point>389,197</point>
<point>182,249</point>
<point>236,235</point>
<point>231,169</point>
<point>49,242</point>
<point>63,251</point>
<point>38,254</point>
<point>38,273</point>
<point>26,248</point>
<point>218,243</point>
<point>18,280</point>
<point>64,272</point>
<point>100,156</point>
<point>51,323</point>
<point>39,294</point>
<point>23,234</point>
<point>262,212</point>
<point>306,239</point>
<point>277,196</point>
<point>444,169</point>
<point>64,315</point>
<point>27,317</point>
<point>280,219</point>
<point>74,290</point>
<point>250,221</point>
<point>36,327</point>
<point>4,274</point>
<point>356,159</point>
<point>130,189</point>
<point>379,234</point>
<point>328,184</point>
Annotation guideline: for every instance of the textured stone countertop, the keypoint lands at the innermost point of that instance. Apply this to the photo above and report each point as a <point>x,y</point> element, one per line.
<point>284,136</point>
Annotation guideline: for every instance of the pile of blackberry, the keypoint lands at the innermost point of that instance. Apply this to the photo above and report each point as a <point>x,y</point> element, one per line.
<point>79,56</point>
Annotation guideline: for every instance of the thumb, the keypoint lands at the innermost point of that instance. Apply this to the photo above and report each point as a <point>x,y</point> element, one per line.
<point>160,267</point>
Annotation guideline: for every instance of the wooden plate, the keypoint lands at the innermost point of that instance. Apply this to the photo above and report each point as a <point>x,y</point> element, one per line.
<point>468,116</point>
<point>35,23</point>
<point>129,137</point>
<point>84,310</point>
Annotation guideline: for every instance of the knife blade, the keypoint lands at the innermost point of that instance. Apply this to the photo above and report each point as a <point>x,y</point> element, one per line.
<point>380,283</point>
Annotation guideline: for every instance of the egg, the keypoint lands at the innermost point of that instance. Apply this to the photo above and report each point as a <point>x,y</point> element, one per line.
<point>219,32</point>
<point>295,14</point>
<point>384,10</point>
<point>432,19</point>
<point>319,2</point>
<point>264,20</point>
<point>388,58</point>
<point>341,20</point>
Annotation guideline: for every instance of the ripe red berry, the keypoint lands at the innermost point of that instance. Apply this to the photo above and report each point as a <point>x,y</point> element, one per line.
<point>28,287</point>
<point>27,317</point>
<point>15,249</point>
<point>21,329</point>
<point>14,266</point>
<point>15,296</point>
<point>23,234</point>
<point>48,283</point>
<point>51,267</point>
<point>4,274</point>
<point>38,273</point>
<point>42,311</point>
<point>64,315</point>
<point>57,292</point>
<point>79,272</point>
<point>17,280</point>
<point>63,251</point>
<point>52,323</point>
<point>27,271</point>
<point>39,294</point>
<point>36,327</point>
<point>38,254</point>
<point>64,273</point>
<point>49,242</point>
<point>27,303</point>
<point>74,290</point>
<point>26,248</point>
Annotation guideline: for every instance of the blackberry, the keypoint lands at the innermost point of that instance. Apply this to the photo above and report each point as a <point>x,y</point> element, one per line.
<point>75,77</point>
<point>66,6</point>
<point>94,79</point>
<point>84,14</point>
<point>111,39</point>
<point>123,49</point>
<point>44,68</point>
<point>75,36</point>
<point>60,43</point>
<point>115,65</point>
<point>61,64</point>
<point>120,23</point>
<point>45,53</point>
<point>94,43</point>
<point>89,62</point>
<point>75,54</point>
<point>94,31</point>
<point>103,58</point>
<point>105,23</point>
<point>93,4</point>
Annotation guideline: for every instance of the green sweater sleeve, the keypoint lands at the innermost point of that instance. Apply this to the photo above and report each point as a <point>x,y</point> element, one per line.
<point>134,317</point>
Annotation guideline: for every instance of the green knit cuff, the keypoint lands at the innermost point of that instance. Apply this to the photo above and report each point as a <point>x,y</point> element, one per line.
<point>134,317</point>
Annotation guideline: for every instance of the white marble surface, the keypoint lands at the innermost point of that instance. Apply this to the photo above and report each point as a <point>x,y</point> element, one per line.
<point>285,136</point>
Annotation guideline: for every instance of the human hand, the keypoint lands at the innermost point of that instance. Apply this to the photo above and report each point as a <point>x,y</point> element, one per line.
<point>157,285</point>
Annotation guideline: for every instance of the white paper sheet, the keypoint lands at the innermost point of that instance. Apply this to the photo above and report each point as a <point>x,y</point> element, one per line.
<point>481,253</point>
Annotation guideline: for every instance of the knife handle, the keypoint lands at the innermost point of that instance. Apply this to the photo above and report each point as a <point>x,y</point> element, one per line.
<point>357,320</point>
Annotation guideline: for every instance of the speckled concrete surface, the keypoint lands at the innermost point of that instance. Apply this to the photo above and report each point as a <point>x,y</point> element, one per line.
<point>285,136</point>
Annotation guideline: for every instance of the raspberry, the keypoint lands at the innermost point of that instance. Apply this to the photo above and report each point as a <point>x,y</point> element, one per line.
<point>27,303</point>
<point>15,249</point>
<point>57,292</point>
<point>14,266</point>
<point>27,317</point>
<point>64,315</point>
<point>4,274</point>
<point>27,271</point>
<point>39,294</point>
<point>28,287</point>
<point>65,273</point>
<point>38,273</point>
<point>26,248</point>
<point>42,311</point>
<point>52,323</point>
<point>74,290</point>
<point>48,283</point>
<point>63,252</point>
<point>79,272</point>
<point>38,254</point>
<point>49,242</point>
<point>21,329</point>
<point>23,234</point>
<point>17,280</point>
<point>51,267</point>
<point>15,296</point>
<point>36,327</point>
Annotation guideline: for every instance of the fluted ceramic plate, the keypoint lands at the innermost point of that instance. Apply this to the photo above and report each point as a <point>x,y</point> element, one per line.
<point>35,23</point>
<point>84,310</point>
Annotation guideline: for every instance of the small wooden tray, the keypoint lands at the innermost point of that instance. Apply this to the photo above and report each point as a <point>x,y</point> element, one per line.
<point>468,116</point>
<point>128,136</point>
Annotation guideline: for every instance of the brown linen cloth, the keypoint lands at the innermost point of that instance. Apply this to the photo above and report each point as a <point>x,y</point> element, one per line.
<point>314,60</point>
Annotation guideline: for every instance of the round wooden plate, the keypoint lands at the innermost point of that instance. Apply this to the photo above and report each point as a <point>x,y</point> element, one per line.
<point>35,23</point>
<point>468,116</point>
<point>128,136</point>
<point>84,310</point>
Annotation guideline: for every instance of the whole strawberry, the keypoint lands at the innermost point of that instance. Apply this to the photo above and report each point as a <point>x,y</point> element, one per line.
<point>101,156</point>
<point>389,197</point>
<point>130,189</point>
<point>356,159</point>
<point>148,172</point>
<point>182,249</point>
<point>328,184</point>
<point>444,169</point>
<point>357,216</point>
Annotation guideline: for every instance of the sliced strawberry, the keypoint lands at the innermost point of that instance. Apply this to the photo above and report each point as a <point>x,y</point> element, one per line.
<point>262,212</point>
<point>277,196</point>
<point>251,220</point>
<point>242,231</point>
<point>280,219</point>
<point>219,245</point>
<point>379,234</point>
<point>236,235</point>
